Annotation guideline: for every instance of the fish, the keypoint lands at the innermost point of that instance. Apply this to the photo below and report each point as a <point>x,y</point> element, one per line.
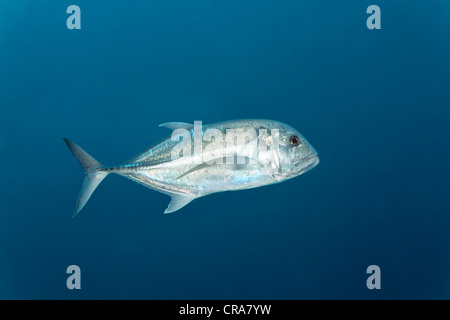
<point>198,160</point>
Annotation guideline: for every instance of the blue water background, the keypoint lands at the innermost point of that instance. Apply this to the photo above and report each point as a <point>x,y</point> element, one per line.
<point>374,103</point>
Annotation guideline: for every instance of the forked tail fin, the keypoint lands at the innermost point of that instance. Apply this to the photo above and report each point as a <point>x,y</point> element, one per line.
<point>94,174</point>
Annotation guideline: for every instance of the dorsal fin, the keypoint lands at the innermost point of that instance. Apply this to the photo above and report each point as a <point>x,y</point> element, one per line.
<point>147,155</point>
<point>177,125</point>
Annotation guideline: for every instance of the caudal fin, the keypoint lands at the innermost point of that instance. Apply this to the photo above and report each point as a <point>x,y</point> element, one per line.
<point>94,174</point>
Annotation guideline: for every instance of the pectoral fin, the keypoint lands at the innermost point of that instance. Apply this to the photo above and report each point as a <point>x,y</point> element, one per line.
<point>178,201</point>
<point>198,167</point>
<point>218,162</point>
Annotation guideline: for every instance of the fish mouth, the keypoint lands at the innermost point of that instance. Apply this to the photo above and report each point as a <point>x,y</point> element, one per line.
<point>309,162</point>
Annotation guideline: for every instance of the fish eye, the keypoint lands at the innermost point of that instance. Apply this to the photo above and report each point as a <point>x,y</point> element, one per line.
<point>294,140</point>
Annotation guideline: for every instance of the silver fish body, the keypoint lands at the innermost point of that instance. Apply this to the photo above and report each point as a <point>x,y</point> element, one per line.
<point>199,160</point>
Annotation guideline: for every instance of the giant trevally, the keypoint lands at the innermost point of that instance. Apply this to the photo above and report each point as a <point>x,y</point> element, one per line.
<point>199,160</point>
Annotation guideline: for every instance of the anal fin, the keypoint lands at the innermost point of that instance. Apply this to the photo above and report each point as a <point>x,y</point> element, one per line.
<point>178,201</point>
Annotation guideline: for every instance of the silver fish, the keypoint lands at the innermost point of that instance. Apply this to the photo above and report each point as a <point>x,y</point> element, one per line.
<point>231,155</point>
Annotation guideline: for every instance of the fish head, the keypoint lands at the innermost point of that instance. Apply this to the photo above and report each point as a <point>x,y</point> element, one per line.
<point>296,155</point>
